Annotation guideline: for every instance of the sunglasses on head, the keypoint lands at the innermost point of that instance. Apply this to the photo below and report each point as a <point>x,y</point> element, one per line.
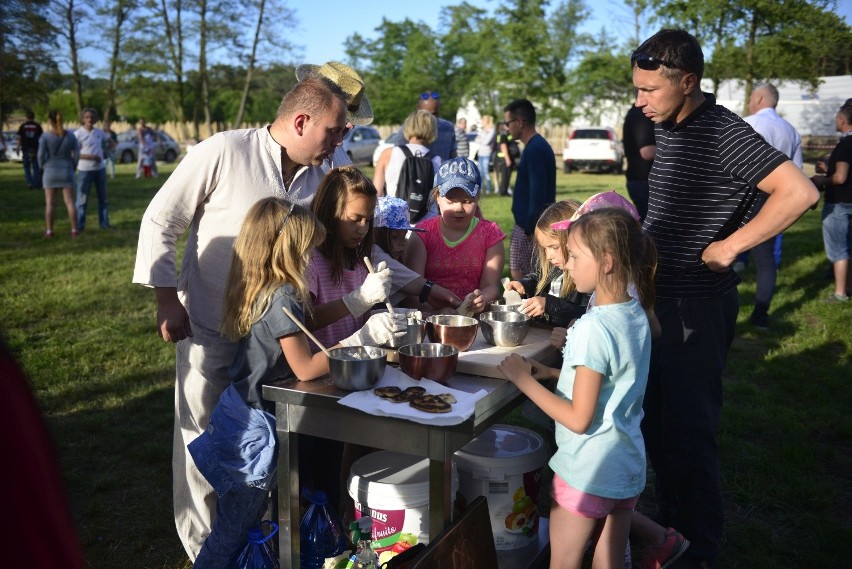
<point>429,95</point>
<point>649,62</point>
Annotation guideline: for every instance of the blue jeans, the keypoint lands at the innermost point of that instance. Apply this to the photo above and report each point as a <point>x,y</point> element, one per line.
<point>484,160</point>
<point>85,179</point>
<point>31,172</point>
<point>683,406</point>
<point>237,511</point>
<point>837,230</point>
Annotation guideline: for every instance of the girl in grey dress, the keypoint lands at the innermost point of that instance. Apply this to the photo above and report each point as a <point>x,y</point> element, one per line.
<point>58,153</point>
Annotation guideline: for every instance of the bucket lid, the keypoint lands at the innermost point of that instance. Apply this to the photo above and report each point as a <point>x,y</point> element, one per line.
<point>392,480</point>
<point>503,449</point>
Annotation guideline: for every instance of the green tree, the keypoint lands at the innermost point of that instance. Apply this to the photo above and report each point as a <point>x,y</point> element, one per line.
<point>117,14</point>
<point>26,44</point>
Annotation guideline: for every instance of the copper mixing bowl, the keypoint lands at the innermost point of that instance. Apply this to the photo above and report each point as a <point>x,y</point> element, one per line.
<point>451,329</point>
<point>432,361</point>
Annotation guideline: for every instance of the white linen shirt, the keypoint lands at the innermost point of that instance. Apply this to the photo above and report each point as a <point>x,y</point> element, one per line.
<point>777,132</point>
<point>91,142</point>
<point>210,192</point>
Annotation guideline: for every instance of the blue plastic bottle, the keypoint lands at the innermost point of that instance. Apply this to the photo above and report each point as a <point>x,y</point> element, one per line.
<point>321,532</point>
<point>258,553</point>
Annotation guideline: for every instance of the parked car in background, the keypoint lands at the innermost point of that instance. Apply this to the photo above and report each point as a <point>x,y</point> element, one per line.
<point>594,148</point>
<point>11,152</point>
<point>166,148</point>
<point>360,143</point>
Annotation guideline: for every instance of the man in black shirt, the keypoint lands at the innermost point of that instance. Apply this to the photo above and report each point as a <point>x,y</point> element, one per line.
<point>29,134</point>
<point>639,148</point>
<point>703,186</point>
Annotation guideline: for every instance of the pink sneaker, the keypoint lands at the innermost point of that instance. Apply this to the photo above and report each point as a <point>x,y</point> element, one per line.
<point>663,555</point>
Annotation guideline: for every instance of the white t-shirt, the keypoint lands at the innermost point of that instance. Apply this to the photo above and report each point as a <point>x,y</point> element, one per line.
<point>395,165</point>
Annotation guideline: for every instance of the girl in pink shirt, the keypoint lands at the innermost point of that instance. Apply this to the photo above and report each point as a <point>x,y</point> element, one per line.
<point>458,249</point>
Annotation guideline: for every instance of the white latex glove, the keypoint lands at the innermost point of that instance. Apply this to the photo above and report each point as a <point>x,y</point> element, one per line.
<point>375,289</point>
<point>378,330</point>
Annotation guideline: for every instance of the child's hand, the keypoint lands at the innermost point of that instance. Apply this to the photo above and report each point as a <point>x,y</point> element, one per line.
<point>516,368</point>
<point>533,307</point>
<point>380,329</point>
<point>516,286</point>
<point>440,297</point>
<point>375,289</point>
<point>557,337</point>
<point>542,372</point>
<point>477,302</point>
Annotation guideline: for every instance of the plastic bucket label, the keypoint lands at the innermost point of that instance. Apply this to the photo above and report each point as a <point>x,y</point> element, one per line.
<point>390,533</point>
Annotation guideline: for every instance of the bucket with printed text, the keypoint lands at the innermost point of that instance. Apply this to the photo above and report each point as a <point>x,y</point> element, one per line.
<point>503,464</point>
<point>393,489</point>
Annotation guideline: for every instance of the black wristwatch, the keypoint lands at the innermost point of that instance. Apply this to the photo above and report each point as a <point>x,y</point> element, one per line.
<point>424,292</point>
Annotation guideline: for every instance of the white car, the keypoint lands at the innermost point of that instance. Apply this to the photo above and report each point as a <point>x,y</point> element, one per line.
<point>593,148</point>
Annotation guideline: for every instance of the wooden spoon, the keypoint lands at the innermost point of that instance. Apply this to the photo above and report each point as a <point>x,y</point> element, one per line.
<point>304,328</point>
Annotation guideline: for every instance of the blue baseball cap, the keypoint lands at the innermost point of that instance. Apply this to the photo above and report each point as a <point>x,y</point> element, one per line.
<point>458,172</point>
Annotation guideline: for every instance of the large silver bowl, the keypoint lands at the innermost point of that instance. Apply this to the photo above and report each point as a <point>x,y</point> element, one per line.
<point>504,329</point>
<point>432,361</point>
<point>457,331</point>
<point>501,306</point>
<point>357,368</point>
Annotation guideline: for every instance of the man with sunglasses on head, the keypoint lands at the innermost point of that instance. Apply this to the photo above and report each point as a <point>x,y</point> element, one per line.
<point>445,143</point>
<point>708,170</point>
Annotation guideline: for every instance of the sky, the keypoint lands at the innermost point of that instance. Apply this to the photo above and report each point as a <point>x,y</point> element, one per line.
<point>325,24</point>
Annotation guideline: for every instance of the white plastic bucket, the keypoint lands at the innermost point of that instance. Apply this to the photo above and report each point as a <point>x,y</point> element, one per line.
<point>503,464</point>
<point>393,489</point>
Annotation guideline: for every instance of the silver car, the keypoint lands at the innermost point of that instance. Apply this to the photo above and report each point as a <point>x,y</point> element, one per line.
<point>11,152</point>
<point>360,143</point>
<point>165,148</point>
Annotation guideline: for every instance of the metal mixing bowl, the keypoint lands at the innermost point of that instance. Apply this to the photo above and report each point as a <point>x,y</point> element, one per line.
<point>415,331</point>
<point>458,331</point>
<point>357,368</point>
<point>504,329</point>
<point>501,306</point>
<point>432,361</point>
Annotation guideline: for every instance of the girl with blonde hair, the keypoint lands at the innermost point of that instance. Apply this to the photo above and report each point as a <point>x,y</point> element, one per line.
<point>550,292</point>
<point>237,451</point>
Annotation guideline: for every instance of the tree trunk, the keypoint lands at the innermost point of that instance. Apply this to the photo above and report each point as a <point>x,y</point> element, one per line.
<point>250,71</point>
<point>176,55</point>
<point>203,79</point>
<point>749,73</point>
<point>121,13</point>
<point>75,61</point>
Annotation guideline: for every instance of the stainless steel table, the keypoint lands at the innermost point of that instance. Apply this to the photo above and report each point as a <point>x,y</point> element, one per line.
<point>311,408</point>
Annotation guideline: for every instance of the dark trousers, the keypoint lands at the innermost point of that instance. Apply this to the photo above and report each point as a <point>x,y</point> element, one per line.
<point>638,192</point>
<point>683,405</point>
<point>31,169</point>
<point>765,264</point>
<point>504,175</point>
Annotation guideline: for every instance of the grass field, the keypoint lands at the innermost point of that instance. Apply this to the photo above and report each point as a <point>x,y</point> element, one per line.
<point>86,338</point>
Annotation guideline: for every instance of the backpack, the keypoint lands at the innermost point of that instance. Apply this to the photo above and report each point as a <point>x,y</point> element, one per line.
<point>416,178</point>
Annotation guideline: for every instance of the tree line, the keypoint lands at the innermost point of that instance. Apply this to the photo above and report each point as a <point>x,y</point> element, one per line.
<point>223,63</point>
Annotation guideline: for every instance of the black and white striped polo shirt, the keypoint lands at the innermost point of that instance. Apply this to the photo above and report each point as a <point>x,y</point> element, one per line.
<point>703,187</point>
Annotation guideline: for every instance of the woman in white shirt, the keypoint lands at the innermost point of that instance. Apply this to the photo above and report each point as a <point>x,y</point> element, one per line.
<point>420,129</point>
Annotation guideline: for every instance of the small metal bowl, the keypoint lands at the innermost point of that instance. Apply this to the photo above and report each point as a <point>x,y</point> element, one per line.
<point>432,361</point>
<point>504,329</point>
<point>356,368</point>
<point>501,306</point>
<point>457,331</point>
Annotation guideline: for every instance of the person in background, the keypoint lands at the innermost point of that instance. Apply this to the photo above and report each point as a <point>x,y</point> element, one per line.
<point>420,129</point>
<point>698,235</point>
<point>29,134</point>
<point>833,177</point>
<point>58,154</point>
<point>91,169</point>
<point>462,144</point>
<point>485,143</point>
<point>639,149</point>
<point>109,151</point>
<point>535,184</point>
<point>784,137</point>
<point>444,145</point>
<point>145,136</point>
<point>505,155</point>
<point>391,223</point>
